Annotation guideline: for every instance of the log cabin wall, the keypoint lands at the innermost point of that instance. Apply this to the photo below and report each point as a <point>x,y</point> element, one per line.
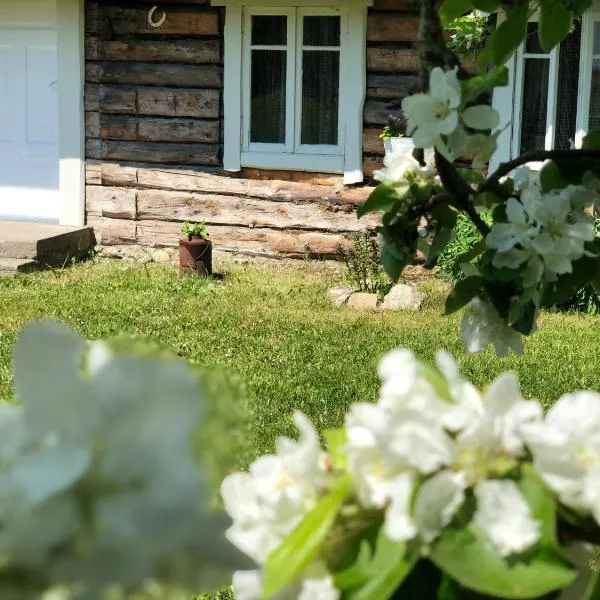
<point>153,101</point>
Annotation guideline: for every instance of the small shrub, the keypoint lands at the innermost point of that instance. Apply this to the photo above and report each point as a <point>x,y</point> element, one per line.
<point>466,237</point>
<point>586,300</point>
<point>363,265</point>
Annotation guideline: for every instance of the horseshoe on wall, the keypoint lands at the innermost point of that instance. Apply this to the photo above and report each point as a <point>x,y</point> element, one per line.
<point>151,20</point>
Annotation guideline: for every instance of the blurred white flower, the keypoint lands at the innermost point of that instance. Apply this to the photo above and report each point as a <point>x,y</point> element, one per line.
<point>319,589</point>
<point>504,517</point>
<point>434,114</point>
<point>396,164</point>
<point>247,585</point>
<point>519,229</point>
<point>566,450</point>
<point>481,326</point>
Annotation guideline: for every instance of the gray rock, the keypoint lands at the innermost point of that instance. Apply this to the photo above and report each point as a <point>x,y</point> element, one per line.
<point>161,256</point>
<point>339,295</point>
<point>363,301</point>
<point>403,297</point>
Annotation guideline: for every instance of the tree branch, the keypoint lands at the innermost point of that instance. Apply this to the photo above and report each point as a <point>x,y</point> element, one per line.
<point>535,156</point>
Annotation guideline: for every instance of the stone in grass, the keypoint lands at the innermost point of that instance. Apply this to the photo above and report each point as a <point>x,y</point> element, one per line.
<point>161,256</point>
<point>403,297</point>
<point>339,295</point>
<point>363,301</point>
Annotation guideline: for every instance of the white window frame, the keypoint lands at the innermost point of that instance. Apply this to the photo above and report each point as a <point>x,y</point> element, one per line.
<point>345,158</point>
<point>587,57</point>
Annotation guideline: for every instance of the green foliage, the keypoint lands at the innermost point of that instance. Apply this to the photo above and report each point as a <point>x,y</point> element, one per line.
<point>466,238</point>
<point>195,230</point>
<point>364,265</point>
<point>586,300</point>
<point>390,131</point>
<point>470,33</point>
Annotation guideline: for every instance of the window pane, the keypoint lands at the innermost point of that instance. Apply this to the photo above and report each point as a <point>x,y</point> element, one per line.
<point>532,43</point>
<point>595,96</point>
<point>321,31</point>
<point>269,30</point>
<point>267,120</point>
<point>320,97</point>
<point>535,104</point>
<point>597,38</point>
<point>568,84</point>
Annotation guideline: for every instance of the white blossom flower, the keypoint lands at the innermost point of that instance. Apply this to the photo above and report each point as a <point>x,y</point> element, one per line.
<point>269,501</point>
<point>481,326</point>
<point>519,229</point>
<point>434,114</point>
<point>247,585</point>
<point>319,589</point>
<point>504,517</point>
<point>399,524</point>
<point>396,164</point>
<point>566,450</point>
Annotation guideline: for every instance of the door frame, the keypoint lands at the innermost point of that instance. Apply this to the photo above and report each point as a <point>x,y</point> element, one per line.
<point>71,77</point>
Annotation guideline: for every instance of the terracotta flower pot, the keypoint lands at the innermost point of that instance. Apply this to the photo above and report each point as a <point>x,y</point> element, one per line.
<point>195,256</point>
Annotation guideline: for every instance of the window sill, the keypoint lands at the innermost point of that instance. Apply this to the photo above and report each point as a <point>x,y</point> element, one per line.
<point>293,162</point>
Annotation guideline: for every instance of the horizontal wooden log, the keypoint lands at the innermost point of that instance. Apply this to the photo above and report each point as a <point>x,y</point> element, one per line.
<point>155,101</point>
<point>216,209</point>
<point>378,113</point>
<point>153,152</point>
<point>392,60</point>
<point>392,27</point>
<point>174,51</point>
<point>179,20</point>
<point>372,143</point>
<point>372,164</point>
<point>112,231</point>
<point>203,76</point>
<point>115,203</point>
<point>194,179</point>
<point>406,5</point>
<point>392,87</point>
<point>256,241</point>
<point>152,129</point>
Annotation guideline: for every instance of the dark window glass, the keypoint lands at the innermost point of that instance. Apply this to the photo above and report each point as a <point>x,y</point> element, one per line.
<point>532,42</point>
<point>321,31</point>
<point>535,104</point>
<point>596,38</point>
<point>320,97</point>
<point>268,93</point>
<point>594,122</point>
<point>568,84</point>
<point>269,30</point>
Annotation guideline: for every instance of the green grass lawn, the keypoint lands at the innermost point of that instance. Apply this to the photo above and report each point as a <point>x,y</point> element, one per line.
<point>273,328</point>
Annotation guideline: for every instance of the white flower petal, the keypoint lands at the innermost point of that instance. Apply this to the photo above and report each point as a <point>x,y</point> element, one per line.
<point>399,524</point>
<point>319,589</point>
<point>504,517</point>
<point>438,501</point>
<point>419,108</point>
<point>247,585</point>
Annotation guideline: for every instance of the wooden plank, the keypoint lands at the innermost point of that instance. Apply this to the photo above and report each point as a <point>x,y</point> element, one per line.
<point>112,202</point>
<point>206,180</point>
<point>153,152</point>
<point>392,27</point>
<point>217,209</point>
<point>392,60</point>
<point>113,231</point>
<point>179,51</point>
<point>372,164</point>
<point>115,127</point>
<point>257,241</point>
<point>407,5</point>
<point>179,20</point>
<point>378,113</point>
<point>152,101</point>
<point>205,76</point>
<point>372,143</point>
<point>392,87</point>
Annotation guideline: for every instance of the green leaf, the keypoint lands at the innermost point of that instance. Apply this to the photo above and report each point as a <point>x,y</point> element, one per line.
<point>592,140</point>
<point>287,561</point>
<point>585,269</point>
<point>592,591</point>
<point>525,323</point>
<point>581,6</point>
<point>464,291</point>
<point>383,197</point>
<point>555,23</point>
<point>392,563</point>
<point>551,178</point>
<point>480,84</point>
<point>393,260</point>
<point>336,440</point>
<point>475,565</point>
<point>505,40</point>
<point>542,504</point>
<point>443,236</point>
<point>486,5</point>
<point>452,9</point>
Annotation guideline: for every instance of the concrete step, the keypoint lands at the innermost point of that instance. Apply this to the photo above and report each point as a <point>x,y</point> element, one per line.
<point>50,245</point>
<point>12,266</point>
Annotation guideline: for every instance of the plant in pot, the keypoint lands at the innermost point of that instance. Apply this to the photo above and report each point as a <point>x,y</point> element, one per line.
<point>393,137</point>
<point>195,250</point>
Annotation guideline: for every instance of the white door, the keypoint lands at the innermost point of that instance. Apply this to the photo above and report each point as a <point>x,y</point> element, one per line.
<point>29,150</point>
